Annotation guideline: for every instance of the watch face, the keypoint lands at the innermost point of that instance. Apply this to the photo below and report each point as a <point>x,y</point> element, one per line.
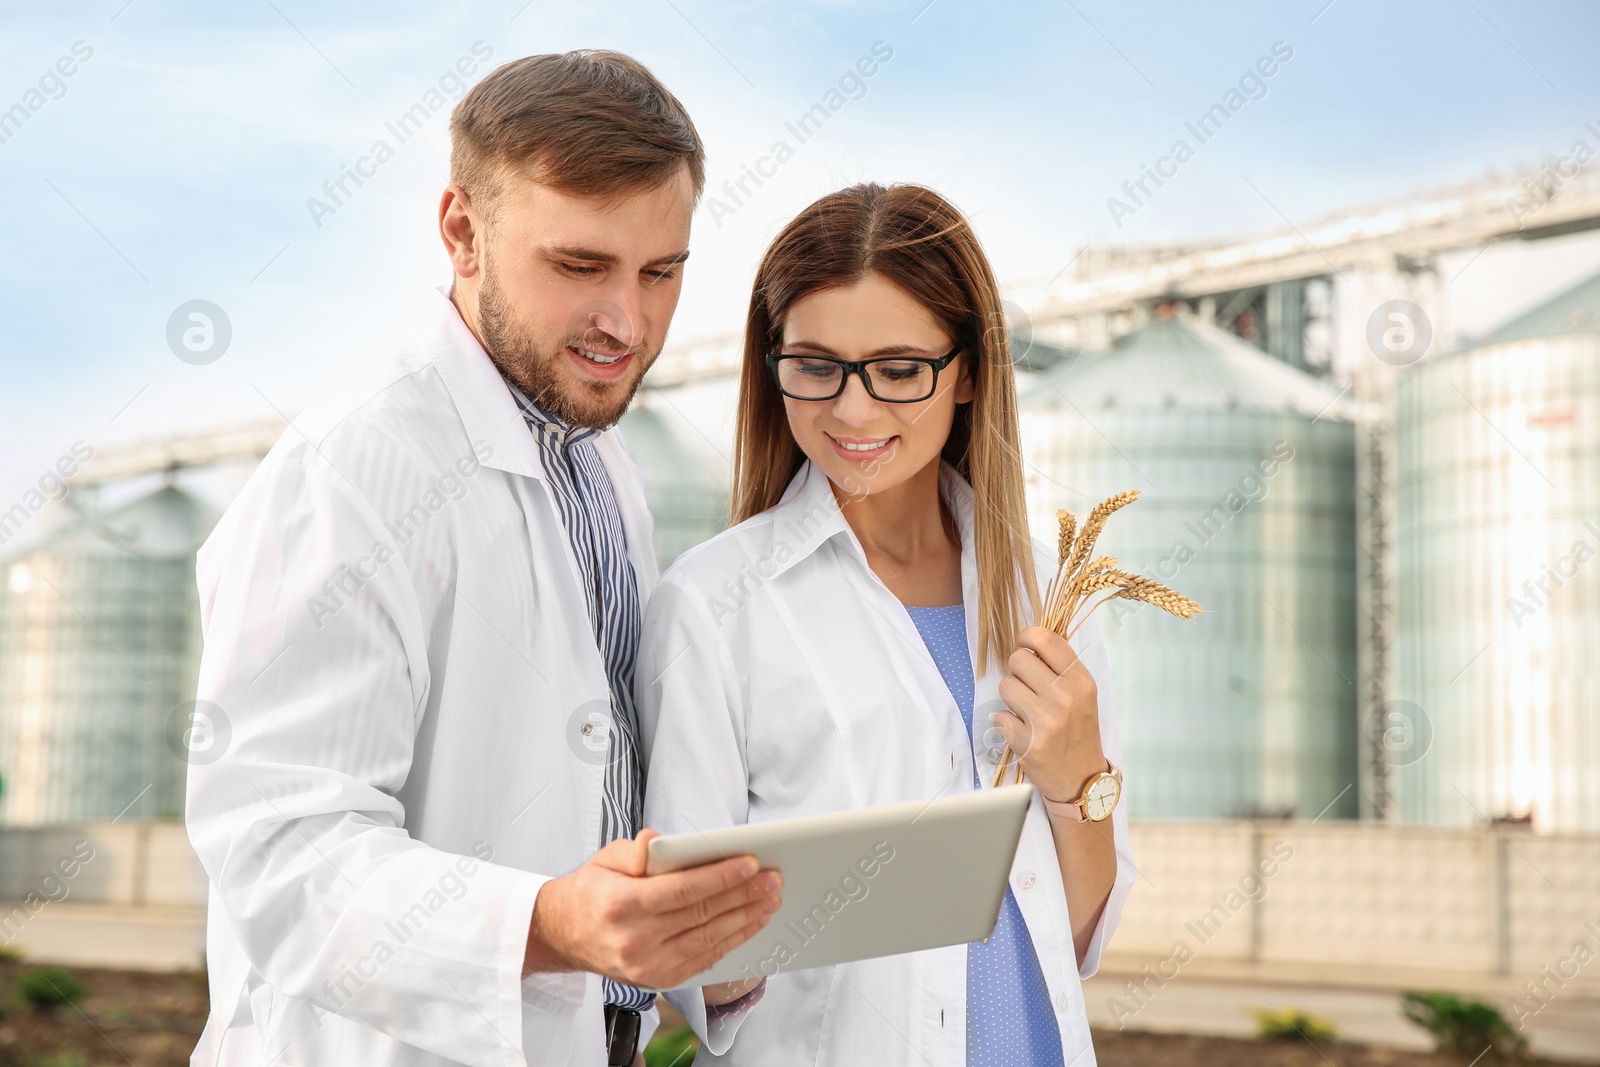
<point>1102,797</point>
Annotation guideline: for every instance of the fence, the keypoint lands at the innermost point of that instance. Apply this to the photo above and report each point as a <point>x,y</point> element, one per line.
<point>1356,902</point>
<point>1369,903</point>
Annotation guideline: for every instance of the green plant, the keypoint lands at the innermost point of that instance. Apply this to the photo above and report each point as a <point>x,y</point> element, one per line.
<point>66,1059</point>
<point>1292,1022</point>
<point>49,988</point>
<point>9,954</point>
<point>672,1048</point>
<point>1465,1029</point>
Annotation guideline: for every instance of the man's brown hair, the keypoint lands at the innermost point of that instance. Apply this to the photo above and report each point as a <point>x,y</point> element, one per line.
<point>588,123</point>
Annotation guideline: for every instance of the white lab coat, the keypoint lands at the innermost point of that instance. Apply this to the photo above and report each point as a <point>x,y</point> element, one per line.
<point>779,677</point>
<point>397,641</point>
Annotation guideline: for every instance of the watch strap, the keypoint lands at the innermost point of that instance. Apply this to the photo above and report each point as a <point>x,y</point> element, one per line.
<point>1063,809</point>
<point>1073,810</point>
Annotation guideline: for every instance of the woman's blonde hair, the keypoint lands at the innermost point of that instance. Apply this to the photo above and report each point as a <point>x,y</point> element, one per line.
<point>914,238</point>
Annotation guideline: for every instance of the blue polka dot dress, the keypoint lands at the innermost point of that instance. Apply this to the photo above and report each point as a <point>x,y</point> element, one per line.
<point>1010,1022</point>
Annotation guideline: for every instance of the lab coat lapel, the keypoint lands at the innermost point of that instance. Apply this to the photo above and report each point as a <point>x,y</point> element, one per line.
<point>916,665</point>
<point>489,414</point>
<point>482,400</point>
<point>958,496</point>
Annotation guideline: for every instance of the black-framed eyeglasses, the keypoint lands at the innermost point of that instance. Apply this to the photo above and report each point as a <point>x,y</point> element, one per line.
<point>891,379</point>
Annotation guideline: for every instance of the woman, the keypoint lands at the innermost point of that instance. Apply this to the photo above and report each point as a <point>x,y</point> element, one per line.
<point>839,646</point>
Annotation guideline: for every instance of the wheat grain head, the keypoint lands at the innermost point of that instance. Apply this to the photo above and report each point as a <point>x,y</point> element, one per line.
<point>1095,523</point>
<point>1149,591</point>
<point>1067,526</point>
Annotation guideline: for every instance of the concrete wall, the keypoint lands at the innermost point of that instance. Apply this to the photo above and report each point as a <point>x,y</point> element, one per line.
<point>1356,903</point>
<point>1479,908</point>
<point>137,863</point>
<point>126,894</point>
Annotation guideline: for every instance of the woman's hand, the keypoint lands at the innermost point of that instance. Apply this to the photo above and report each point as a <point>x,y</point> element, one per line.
<point>1054,721</point>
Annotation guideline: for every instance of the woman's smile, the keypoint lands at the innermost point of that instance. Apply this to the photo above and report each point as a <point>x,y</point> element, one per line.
<point>866,445</point>
<point>861,449</point>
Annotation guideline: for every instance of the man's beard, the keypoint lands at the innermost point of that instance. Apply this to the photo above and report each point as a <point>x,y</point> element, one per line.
<point>538,373</point>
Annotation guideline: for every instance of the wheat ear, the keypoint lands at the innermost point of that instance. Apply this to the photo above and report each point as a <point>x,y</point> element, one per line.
<point>1068,525</point>
<point>1078,578</point>
<point>1095,523</point>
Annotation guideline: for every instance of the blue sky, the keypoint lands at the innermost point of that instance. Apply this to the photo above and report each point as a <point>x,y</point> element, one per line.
<point>177,161</point>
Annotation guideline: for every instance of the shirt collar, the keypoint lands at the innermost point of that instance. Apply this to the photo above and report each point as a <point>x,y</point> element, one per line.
<point>808,516</point>
<point>559,430</point>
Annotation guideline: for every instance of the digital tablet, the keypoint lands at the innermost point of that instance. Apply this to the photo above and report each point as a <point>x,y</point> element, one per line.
<point>866,883</point>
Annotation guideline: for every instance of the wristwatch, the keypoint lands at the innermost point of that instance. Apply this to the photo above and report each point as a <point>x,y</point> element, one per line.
<point>1097,801</point>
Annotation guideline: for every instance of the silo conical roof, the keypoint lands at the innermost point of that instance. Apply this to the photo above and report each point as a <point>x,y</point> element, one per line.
<point>1186,363</point>
<point>166,524</point>
<point>1577,310</point>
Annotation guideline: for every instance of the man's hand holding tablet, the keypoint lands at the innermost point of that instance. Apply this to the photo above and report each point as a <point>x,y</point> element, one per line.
<point>651,931</point>
<point>863,883</point>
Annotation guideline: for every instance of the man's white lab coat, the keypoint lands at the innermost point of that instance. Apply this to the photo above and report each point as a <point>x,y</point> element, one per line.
<point>405,732</point>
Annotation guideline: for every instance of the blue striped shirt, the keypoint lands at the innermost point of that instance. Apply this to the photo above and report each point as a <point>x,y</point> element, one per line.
<point>588,505</point>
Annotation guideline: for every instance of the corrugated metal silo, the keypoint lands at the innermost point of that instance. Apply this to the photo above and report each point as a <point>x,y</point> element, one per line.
<point>684,481</point>
<point>1246,467</point>
<point>1498,572</point>
<point>99,643</point>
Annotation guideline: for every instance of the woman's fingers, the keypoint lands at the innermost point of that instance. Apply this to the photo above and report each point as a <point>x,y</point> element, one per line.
<point>1015,730</point>
<point>1040,685</point>
<point>1031,670</point>
<point>1051,648</point>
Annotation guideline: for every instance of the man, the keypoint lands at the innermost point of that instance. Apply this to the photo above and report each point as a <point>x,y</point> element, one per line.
<point>420,623</point>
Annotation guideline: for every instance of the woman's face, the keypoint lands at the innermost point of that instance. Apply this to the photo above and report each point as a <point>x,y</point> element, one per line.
<point>862,444</point>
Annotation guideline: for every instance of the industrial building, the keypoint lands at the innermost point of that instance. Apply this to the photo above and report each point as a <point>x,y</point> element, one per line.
<point>99,648</point>
<point>99,620</point>
<point>1393,547</point>
<point>1246,469</point>
<point>1498,574</point>
<point>685,481</point>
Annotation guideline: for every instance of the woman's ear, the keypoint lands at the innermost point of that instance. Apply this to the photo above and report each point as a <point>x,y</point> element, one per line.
<point>965,390</point>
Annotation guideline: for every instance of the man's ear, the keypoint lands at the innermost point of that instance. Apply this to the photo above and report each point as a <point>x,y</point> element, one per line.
<point>461,230</point>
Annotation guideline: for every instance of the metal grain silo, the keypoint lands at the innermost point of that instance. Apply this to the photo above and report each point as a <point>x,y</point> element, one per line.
<point>684,481</point>
<point>1497,536</point>
<point>99,643</point>
<point>1246,467</point>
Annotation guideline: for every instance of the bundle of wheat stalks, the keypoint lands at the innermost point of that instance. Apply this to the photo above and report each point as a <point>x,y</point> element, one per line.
<point>1079,579</point>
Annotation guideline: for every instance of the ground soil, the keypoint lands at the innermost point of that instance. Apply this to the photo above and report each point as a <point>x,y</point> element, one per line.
<point>1130,1048</point>
<point>149,1020</point>
<point>154,1020</point>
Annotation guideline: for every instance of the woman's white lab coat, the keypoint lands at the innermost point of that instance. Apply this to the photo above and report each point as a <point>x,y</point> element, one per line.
<point>779,677</point>
<point>398,666</point>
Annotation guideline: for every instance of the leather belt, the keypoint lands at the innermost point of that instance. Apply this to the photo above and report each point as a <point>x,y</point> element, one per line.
<point>622,1036</point>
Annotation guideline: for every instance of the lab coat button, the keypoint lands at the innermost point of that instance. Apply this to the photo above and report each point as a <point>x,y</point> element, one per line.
<point>1026,881</point>
<point>588,728</point>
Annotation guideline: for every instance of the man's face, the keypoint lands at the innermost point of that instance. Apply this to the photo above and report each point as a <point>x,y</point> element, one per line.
<point>574,295</point>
